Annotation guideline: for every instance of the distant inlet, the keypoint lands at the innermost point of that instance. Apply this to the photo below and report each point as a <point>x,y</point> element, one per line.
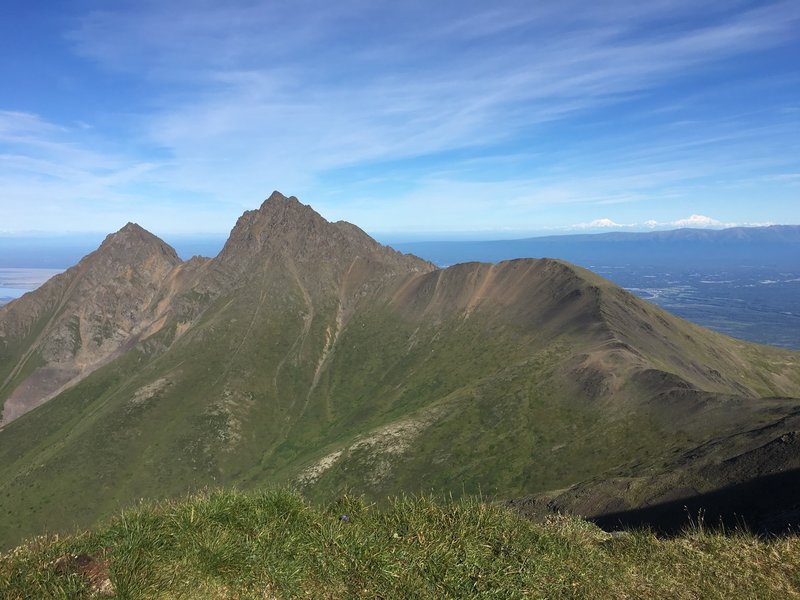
<point>16,282</point>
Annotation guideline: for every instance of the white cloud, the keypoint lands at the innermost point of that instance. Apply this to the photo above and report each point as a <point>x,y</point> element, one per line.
<point>758,224</point>
<point>599,224</point>
<point>52,178</point>
<point>701,222</point>
<point>693,221</point>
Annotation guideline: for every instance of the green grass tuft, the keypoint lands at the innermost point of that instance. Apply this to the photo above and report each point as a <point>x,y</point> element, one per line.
<point>230,544</point>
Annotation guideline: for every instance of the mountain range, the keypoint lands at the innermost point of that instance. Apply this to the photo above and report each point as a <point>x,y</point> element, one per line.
<point>307,353</point>
<point>677,249</point>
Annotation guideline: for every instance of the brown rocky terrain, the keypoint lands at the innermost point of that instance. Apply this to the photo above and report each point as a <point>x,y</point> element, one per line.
<point>127,290</point>
<point>84,317</point>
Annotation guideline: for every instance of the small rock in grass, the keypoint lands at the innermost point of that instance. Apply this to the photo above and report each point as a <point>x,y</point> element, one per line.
<point>96,572</point>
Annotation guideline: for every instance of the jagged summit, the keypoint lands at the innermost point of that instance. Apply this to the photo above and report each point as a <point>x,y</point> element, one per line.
<point>133,243</point>
<point>283,226</point>
<point>277,201</point>
<point>279,219</point>
<point>88,314</point>
<point>131,229</point>
<point>279,208</point>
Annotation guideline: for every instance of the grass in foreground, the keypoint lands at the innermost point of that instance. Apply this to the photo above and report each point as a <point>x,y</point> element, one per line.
<point>230,544</point>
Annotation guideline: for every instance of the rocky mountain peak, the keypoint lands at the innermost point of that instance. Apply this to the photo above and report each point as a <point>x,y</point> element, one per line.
<point>133,227</point>
<point>283,226</point>
<point>133,243</point>
<point>283,214</point>
<point>277,202</point>
<point>91,312</point>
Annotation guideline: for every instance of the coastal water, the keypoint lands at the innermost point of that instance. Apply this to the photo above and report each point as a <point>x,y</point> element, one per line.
<point>14,282</point>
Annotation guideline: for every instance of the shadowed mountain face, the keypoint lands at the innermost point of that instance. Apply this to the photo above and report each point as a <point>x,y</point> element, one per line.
<point>748,479</point>
<point>305,352</point>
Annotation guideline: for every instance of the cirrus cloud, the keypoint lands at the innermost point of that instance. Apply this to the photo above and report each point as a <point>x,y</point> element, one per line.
<point>524,114</point>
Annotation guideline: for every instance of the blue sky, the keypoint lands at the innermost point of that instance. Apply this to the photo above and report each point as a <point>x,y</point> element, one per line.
<point>487,119</point>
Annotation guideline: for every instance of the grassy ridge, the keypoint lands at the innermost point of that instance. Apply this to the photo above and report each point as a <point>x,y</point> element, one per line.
<point>229,544</point>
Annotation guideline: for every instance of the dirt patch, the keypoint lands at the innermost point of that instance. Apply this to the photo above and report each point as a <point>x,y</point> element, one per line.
<point>235,406</point>
<point>378,450</point>
<point>386,445</point>
<point>315,471</point>
<point>148,392</point>
<point>95,572</point>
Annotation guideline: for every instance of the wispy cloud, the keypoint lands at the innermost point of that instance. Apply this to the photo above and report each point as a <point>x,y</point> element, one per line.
<point>52,180</point>
<point>51,155</point>
<point>291,80</point>
<point>245,97</point>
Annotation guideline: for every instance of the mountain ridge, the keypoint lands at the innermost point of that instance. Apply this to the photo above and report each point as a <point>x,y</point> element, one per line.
<point>138,255</point>
<point>306,352</point>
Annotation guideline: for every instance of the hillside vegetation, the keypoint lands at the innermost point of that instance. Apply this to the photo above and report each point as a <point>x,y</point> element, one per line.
<point>307,354</point>
<point>228,544</point>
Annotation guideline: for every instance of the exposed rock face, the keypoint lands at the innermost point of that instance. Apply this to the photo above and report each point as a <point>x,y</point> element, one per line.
<point>83,317</point>
<point>134,283</point>
<point>284,231</point>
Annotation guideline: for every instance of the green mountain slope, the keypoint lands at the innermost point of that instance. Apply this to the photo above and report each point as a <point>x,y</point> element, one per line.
<point>306,353</point>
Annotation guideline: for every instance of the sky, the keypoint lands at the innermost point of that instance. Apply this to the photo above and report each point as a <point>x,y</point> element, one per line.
<point>413,119</point>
